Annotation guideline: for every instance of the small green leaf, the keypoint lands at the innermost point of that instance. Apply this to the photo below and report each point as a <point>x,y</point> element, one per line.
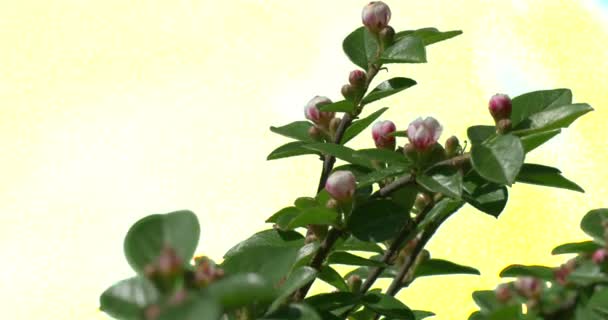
<point>297,279</point>
<point>498,159</point>
<point>332,301</point>
<point>479,134</point>
<point>429,35</point>
<point>128,298</point>
<point>438,267</point>
<point>305,203</point>
<point>345,258</point>
<point>545,176</point>
<point>554,118</point>
<point>380,175</point>
<point>354,244</point>
<point>587,273</point>
<point>294,312</point>
<point>486,300</point>
<point>197,308</point>
<point>332,277</point>
<point>534,140</point>
<point>420,314</point>
<point>592,224</point>
<point>284,216</point>
<point>305,254</point>
<point>358,126</point>
<point>340,152</point>
<point>147,237</point>
<point>443,179</point>
<point>241,290</point>
<point>360,47</point>
<point>531,103</point>
<point>440,211</point>
<point>316,215</point>
<point>596,306</point>
<point>296,130</point>
<point>518,270</point>
<point>387,306</point>
<point>409,49</point>
<point>340,106</point>
<point>488,197</point>
<point>290,149</point>
<point>377,220</point>
<point>576,247</point>
<point>388,88</point>
<point>387,156</point>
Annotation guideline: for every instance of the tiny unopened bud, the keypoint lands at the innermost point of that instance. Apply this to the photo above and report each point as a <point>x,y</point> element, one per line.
<point>503,293</point>
<point>354,283</point>
<point>152,312</point>
<point>452,146</point>
<point>376,16</point>
<point>320,231</point>
<point>312,112</point>
<point>357,78</point>
<point>528,287</point>
<point>503,126</point>
<point>382,134</point>
<point>500,107</point>
<point>424,133</point>
<point>310,238</point>
<point>333,126</point>
<point>341,185</point>
<point>422,201</point>
<point>599,256</point>
<point>561,274</point>
<point>349,92</point>
<point>387,36</point>
<point>169,263</point>
<point>409,151</point>
<point>332,204</point>
<point>315,133</point>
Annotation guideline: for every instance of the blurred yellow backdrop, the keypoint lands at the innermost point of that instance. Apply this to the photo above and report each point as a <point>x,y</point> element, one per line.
<point>114,109</point>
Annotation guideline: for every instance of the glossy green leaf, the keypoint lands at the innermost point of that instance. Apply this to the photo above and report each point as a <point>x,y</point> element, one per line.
<point>147,237</point>
<point>380,175</point>
<point>296,130</point>
<point>576,247</point>
<point>498,159</point>
<point>409,49</point>
<point>387,306</point>
<point>332,277</point>
<point>420,314</point>
<point>405,196</point>
<point>595,309</point>
<point>534,140</point>
<point>587,273</point>
<point>340,152</point>
<point>429,35</point>
<point>316,215</point>
<point>545,176</point>
<point>443,179</point>
<point>488,197</point>
<point>438,267</point>
<point>486,300</point>
<point>479,134</point>
<point>389,272</point>
<point>554,118</point>
<point>305,254</point>
<point>388,88</point>
<point>284,216</point>
<point>242,289</point>
<point>377,220</point>
<point>294,312</point>
<point>354,244</point>
<point>198,308</point>
<point>518,270</point>
<point>592,224</point>
<point>359,125</point>
<point>297,279</point>
<point>360,47</point>
<point>128,298</point>
<point>345,258</point>
<point>531,103</point>
<point>339,106</point>
<point>305,202</point>
<point>387,156</point>
<point>440,211</point>
<point>290,149</point>
<point>332,301</point>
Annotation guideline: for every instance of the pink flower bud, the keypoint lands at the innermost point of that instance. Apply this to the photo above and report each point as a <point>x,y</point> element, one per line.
<point>376,16</point>
<point>528,287</point>
<point>357,78</point>
<point>341,185</point>
<point>599,256</point>
<point>312,112</point>
<point>503,293</point>
<point>424,133</point>
<point>561,274</point>
<point>381,133</point>
<point>169,263</point>
<point>500,107</point>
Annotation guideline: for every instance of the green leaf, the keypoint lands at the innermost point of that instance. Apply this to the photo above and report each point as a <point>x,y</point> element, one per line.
<point>297,279</point>
<point>332,277</point>
<point>420,314</point>
<point>332,301</point>
<point>440,211</point>
<point>377,220</point>
<point>498,159</point>
<point>479,134</point>
<point>554,118</point>
<point>443,179</point>
<point>387,306</point>
<point>380,175</point>
<point>296,130</point>
<point>488,197</point>
<point>486,300</point>
<point>533,141</point>
<point>340,257</point>
<point>405,196</point>
<point>340,152</point>
<point>241,290</point>
<point>147,237</point>
<point>305,254</point>
<point>198,308</point>
<point>429,35</point>
<point>593,309</point>
<point>284,216</point>
<point>354,244</point>
<point>290,149</point>
<point>518,270</point>
<point>360,47</point>
<point>305,203</point>
<point>409,49</point>
<point>340,106</point>
<point>270,253</point>
<point>358,126</point>
<point>390,157</point>
<point>388,88</point>
<point>437,267</point>
<point>576,247</point>
<point>592,224</point>
<point>545,176</point>
<point>316,215</point>
<point>587,273</point>
<point>128,298</point>
<point>294,312</point>
<point>363,272</point>
<point>533,102</point>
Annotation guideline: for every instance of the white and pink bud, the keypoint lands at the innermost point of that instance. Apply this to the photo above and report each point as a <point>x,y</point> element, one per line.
<point>357,78</point>
<point>341,185</point>
<point>312,112</point>
<point>424,133</point>
<point>376,16</point>
<point>382,134</point>
<point>528,287</point>
<point>500,107</point>
<point>599,256</point>
<point>503,293</point>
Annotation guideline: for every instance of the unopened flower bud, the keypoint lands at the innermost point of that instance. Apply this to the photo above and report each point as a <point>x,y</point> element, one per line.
<point>503,293</point>
<point>382,134</point>
<point>599,256</point>
<point>503,126</point>
<point>500,107</point>
<point>333,126</point>
<point>169,264</point>
<point>332,204</point>
<point>376,16</point>
<point>387,36</point>
<point>152,312</point>
<point>409,151</point>
<point>312,112</point>
<point>349,92</point>
<point>424,133</point>
<point>528,287</point>
<point>310,238</point>
<point>354,283</point>
<point>357,78</point>
<point>341,185</point>
<point>320,231</point>
<point>452,146</point>
<point>561,274</point>
<point>422,201</point>
<point>315,133</point>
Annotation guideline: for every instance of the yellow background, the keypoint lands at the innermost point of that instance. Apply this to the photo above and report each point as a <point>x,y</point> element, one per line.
<point>114,109</point>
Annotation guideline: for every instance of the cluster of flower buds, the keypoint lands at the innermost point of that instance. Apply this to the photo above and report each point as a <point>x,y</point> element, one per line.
<point>500,108</point>
<point>600,256</point>
<point>322,119</point>
<point>206,272</point>
<point>503,293</point>
<point>355,89</point>
<point>376,16</point>
<point>382,133</point>
<point>528,287</point>
<point>561,274</point>
<point>341,186</point>
<point>168,266</point>
<point>423,134</point>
